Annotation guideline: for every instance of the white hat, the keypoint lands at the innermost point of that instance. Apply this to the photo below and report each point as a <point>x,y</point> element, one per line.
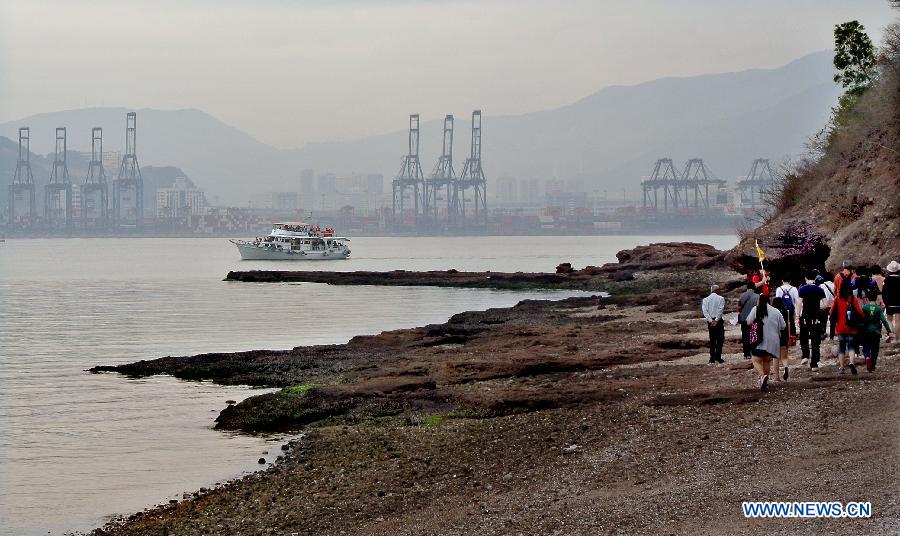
<point>893,266</point>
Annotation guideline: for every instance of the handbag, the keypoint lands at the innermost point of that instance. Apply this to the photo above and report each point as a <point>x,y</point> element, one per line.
<point>755,336</point>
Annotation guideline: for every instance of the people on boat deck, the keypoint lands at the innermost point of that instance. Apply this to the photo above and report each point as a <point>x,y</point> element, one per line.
<point>309,230</point>
<point>854,308</point>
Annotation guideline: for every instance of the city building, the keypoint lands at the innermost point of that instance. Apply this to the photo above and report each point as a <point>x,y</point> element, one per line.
<point>507,190</point>
<point>112,160</point>
<point>554,185</point>
<point>183,199</point>
<point>327,183</point>
<point>530,191</point>
<point>375,183</point>
<point>307,182</point>
<point>285,201</point>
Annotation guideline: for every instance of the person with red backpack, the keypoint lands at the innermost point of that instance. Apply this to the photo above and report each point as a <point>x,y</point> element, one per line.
<point>846,315</point>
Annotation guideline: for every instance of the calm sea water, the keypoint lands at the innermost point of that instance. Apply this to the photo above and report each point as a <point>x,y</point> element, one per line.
<point>76,448</point>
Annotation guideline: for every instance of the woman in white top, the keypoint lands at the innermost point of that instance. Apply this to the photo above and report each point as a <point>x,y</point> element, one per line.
<point>770,345</point>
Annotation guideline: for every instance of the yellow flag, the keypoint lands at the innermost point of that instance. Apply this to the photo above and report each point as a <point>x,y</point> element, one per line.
<point>759,251</point>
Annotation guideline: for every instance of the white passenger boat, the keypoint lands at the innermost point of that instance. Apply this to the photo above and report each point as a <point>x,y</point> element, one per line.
<point>295,241</point>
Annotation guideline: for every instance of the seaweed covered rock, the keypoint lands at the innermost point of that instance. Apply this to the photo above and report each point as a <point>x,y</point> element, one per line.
<point>792,249</point>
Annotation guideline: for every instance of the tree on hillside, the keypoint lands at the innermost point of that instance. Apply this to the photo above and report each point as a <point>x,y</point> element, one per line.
<point>854,57</point>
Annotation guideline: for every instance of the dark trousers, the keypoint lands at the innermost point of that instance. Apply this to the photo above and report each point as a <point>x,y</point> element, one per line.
<point>871,346</point>
<point>810,338</point>
<point>716,340</point>
<point>823,323</point>
<point>745,338</point>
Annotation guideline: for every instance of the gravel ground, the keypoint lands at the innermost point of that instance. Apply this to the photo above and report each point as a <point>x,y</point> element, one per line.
<point>573,418</point>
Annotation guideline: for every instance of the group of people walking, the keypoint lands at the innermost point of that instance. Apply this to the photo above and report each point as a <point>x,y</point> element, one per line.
<point>853,307</point>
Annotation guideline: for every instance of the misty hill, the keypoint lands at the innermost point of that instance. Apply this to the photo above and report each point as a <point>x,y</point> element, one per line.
<point>216,156</point>
<point>613,137</point>
<point>610,138</point>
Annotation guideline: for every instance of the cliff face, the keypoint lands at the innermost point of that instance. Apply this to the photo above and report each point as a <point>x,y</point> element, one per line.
<point>846,205</point>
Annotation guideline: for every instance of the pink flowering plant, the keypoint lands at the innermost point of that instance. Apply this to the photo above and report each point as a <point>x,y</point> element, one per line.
<point>798,239</point>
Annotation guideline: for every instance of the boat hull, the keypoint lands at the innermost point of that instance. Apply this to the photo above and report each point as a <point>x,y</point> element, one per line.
<point>254,253</point>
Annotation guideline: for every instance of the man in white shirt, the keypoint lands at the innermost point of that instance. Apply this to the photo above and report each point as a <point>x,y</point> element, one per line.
<point>790,297</point>
<point>713,308</point>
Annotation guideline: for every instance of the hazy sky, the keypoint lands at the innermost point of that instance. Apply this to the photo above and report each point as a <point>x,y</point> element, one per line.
<point>293,71</point>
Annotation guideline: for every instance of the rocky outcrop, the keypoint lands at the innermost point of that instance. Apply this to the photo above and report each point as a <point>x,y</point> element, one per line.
<point>658,258</point>
<point>670,256</point>
<point>792,246</point>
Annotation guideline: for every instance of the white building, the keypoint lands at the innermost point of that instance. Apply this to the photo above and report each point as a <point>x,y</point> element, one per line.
<point>507,190</point>
<point>182,199</point>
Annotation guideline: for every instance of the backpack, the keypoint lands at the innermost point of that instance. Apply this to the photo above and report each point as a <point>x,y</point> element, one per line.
<point>873,318</point>
<point>786,298</point>
<point>854,320</point>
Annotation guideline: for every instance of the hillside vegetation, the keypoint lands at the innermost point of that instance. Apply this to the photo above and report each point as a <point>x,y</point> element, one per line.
<point>843,202</point>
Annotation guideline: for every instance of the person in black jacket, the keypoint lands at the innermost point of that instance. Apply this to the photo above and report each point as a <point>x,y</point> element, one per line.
<point>890,295</point>
<point>810,313</point>
<point>746,303</point>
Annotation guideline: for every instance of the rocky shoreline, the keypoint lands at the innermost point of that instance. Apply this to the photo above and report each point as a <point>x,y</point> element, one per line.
<point>585,415</point>
<point>657,259</point>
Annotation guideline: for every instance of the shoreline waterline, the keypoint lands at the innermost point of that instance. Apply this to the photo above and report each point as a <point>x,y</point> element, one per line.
<point>97,303</point>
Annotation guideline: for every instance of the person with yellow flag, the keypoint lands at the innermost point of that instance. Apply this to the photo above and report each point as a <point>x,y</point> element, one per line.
<point>761,280</point>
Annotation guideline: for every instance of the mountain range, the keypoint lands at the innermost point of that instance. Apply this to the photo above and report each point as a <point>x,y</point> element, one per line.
<point>609,139</point>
